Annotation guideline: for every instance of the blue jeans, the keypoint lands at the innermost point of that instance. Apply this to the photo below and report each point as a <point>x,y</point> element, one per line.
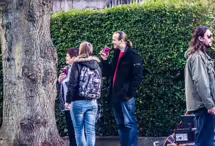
<point>83,113</point>
<point>205,128</point>
<point>126,121</point>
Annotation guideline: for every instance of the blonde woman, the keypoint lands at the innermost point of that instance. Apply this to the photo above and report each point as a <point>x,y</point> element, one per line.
<point>84,89</point>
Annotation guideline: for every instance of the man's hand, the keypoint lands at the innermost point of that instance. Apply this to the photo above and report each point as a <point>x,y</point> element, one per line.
<point>103,55</point>
<point>62,77</point>
<point>67,105</point>
<point>212,111</point>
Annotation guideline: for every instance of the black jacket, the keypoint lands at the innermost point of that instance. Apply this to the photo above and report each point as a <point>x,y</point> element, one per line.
<point>129,75</point>
<point>73,86</point>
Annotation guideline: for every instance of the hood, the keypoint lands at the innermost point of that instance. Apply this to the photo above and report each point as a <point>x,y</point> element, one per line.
<point>91,61</point>
<point>187,53</point>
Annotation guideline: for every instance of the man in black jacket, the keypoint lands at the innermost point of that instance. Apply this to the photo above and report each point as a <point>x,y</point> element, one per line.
<point>125,72</point>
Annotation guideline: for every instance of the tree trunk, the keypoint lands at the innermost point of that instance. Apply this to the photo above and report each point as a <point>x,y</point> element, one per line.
<point>29,68</point>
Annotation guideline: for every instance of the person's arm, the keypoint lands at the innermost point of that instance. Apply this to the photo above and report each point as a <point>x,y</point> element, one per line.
<point>136,75</point>
<point>105,66</point>
<point>73,83</point>
<point>201,81</point>
<point>60,79</point>
<point>58,84</point>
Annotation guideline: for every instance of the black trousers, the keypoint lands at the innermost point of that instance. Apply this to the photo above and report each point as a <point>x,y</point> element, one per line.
<point>70,128</point>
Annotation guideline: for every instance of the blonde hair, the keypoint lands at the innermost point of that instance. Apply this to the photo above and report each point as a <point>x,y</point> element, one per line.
<point>123,36</point>
<point>85,50</point>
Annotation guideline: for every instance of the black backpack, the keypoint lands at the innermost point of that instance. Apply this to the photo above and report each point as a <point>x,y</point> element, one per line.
<point>90,83</point>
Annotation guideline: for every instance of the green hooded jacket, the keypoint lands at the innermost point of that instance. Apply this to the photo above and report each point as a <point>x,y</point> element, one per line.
<point>199,81</point>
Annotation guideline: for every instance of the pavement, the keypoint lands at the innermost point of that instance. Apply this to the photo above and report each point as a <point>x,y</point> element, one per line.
<point>114,141</point>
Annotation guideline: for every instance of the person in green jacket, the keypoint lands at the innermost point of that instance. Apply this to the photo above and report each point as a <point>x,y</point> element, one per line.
<point>200,85</point>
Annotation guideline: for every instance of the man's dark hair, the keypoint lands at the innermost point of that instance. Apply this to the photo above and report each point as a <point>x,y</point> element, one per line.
<point>73,52</point>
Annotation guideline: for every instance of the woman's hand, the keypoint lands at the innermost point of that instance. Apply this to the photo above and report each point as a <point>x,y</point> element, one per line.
<point>62,77</point>
<point>67,105</point>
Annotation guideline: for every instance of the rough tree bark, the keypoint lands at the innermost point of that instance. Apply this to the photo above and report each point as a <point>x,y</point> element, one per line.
<point>29,67</point>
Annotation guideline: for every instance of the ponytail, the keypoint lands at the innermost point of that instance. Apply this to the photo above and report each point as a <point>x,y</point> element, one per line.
<point>129,44</point>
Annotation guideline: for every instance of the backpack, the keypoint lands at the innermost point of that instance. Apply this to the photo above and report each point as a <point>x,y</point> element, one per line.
<point>90,83</point>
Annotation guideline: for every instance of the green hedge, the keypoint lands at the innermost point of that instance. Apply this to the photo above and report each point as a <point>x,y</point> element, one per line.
<point>160,32</point>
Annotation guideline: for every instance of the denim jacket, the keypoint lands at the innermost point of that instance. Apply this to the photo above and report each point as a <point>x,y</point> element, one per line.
<point>199,82</point>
